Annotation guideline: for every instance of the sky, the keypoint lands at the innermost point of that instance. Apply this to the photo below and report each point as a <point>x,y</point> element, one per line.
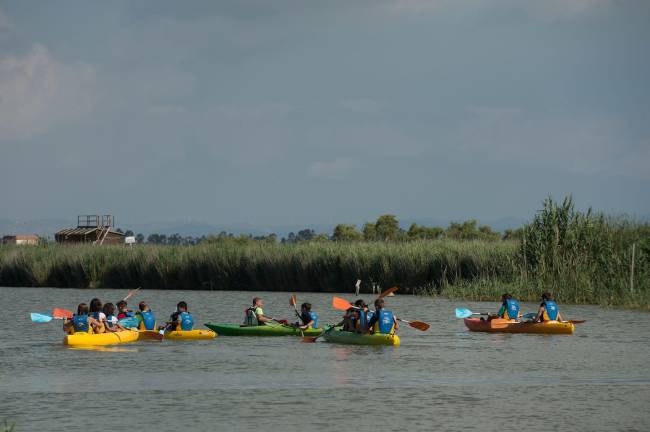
<point>299,112</point>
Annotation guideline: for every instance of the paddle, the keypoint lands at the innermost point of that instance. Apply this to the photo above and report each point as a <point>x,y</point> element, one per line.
<point>310,339</point>
<point>532,315</point>
<point>40,318</point>
<point>419,325</point>
<point>292,302</point>
<point>388,292</point>
<point>466,313</point>
<point>59,313</point>
<point>342,304</point>
<point>131,293</point>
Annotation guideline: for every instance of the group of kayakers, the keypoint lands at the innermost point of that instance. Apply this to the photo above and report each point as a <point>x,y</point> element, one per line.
<point>547,311</point>
<point>105,318</point>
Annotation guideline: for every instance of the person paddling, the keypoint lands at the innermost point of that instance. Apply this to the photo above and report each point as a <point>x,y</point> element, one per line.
<point>548,310</point>
<point>383,321</point>
<point>255,314</point>
<point>309,319</point>
<point>97,313</point>
<point>111,320</point>
<point>146,318</point>
<point>122,311</point>
<point>509,308</point>
<point>181,319</point>
<point>81,321</point>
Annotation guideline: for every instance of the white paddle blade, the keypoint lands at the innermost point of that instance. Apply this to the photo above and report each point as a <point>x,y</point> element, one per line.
<point>463,313</point>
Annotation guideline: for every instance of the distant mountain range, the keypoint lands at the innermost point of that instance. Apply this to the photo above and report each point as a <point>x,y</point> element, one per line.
<point>48,226</point>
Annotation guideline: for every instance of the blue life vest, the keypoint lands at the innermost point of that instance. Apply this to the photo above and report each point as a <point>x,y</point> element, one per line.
<point>95,315</point>
<point>148,320</point>
<point>187,322</point>
<point>385,322</point>
<point>314,318</point>
<point>363,318</point>
<point>512,309</point>
<point>369,315</point>
<point>551,310</point>
<point>129,314</point>
<point>80,323</point>
<point>111,320</point>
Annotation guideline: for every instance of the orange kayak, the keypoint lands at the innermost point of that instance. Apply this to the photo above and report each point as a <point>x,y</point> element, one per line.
<point>499,325</point>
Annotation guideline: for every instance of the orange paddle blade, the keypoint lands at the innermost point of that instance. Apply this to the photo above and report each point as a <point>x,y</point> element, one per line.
<point>61,313</point>
<point>388,292</point>
<point>422,326</point>
<point>341,304</point>
<point>293,300</point>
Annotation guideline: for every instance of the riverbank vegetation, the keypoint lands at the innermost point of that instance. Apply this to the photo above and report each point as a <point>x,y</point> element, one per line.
<point>582,257</point>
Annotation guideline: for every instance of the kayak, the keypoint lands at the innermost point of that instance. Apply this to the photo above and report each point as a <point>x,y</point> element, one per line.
<point>190,334</point>
<point>94,339</point>
<point>351,338</point>
<point>265,330</point>
<point>499,325</point>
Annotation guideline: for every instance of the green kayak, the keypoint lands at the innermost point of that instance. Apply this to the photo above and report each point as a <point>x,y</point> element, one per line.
<point>265,330</point>
<point>350,338</point>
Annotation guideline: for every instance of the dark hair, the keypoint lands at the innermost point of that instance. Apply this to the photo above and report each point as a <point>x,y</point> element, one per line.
<point>360,303</point>
<point>82,309</point>
<point>506,296</point>
<point>181,305</point>
<point>547,296</point>
<point>142,306</point>
<point>306,306</point>
<point>255,300</point>
<point>95,305</point>
<point>109,309</point>
<point>379,303</point>
<point>121,303</point>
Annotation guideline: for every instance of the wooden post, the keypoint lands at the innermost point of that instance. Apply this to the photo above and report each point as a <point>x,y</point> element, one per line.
<point>525,270</point>
<point>632,269</point>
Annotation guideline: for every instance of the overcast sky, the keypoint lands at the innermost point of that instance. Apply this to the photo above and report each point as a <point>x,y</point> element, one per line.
<point>292,112</point>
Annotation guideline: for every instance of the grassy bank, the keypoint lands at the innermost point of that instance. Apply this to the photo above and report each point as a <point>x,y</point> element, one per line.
<point>580,257</point>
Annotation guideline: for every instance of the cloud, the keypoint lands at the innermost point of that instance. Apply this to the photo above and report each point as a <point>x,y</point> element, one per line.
<point>38,92</point>
<point>332,170</point>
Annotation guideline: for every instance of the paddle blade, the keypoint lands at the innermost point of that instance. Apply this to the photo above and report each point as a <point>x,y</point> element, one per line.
<point>388,292</point>
<point>129,322</point>
<point>529,316</point>
<point>422,326</point>
<point>463,313</point>
<point>309,339</point>
<point>577,321</point>
<point>340,304</point>
<point>61,313</point>
<point>293,301</point>
<point>40,318</point>
<point>131,293</point>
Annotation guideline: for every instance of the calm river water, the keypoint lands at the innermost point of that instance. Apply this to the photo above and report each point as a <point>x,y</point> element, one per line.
<point>446,379</point>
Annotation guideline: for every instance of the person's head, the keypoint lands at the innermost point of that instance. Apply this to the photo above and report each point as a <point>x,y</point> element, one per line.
<point>181,306</point>
<point>359,303</point>
<point>95,305</point>
<point>547,296</point>
<point>143,306</point>
<point>121,305</point>
<point>258,302</point>
<point>305,307</point>
<point>379,304</point>
<point>109,309</point>
<point>505,297</point>
<point>82,309</point>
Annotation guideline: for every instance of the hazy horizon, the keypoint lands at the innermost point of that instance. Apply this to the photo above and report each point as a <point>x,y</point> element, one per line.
<point>292,113</point>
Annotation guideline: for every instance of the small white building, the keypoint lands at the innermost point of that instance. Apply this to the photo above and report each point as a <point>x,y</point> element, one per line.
<point>20,239</point>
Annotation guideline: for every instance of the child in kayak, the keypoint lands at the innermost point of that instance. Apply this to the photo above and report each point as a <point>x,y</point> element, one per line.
<point>352,317</point>
<point>80,322</point>
<point>122,311</point>
<point>97,313</point>
<point>309,319</point>
<point>548,310</point>
<point>509,308</point>
<point>383,321</point>
<point>181,319</point>
<point>111,320</point>
<point>255,314</point>
<point>146,318</point>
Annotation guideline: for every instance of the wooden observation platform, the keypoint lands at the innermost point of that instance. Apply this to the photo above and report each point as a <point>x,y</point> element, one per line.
<point>95,229</point>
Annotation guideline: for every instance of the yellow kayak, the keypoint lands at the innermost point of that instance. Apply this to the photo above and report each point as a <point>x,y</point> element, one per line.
<point>190,334</point>
<point>95,339</point>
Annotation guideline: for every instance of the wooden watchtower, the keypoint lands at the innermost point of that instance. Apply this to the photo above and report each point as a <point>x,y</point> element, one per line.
<point>95,229</point>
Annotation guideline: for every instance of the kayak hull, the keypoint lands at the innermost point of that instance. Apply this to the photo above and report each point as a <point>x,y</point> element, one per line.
<point>350,338</point>
<point>97,339</point>
<point>223,329</point>
<point>499,325</point>
<point>190,334</point>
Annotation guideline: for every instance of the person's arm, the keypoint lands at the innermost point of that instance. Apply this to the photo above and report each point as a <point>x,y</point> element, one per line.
<point>67,325</point>
<point>371,323</point>
<point>263,318</point>
<point>306,326</point>
<point>396,323</point>
<point>540,313</point>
